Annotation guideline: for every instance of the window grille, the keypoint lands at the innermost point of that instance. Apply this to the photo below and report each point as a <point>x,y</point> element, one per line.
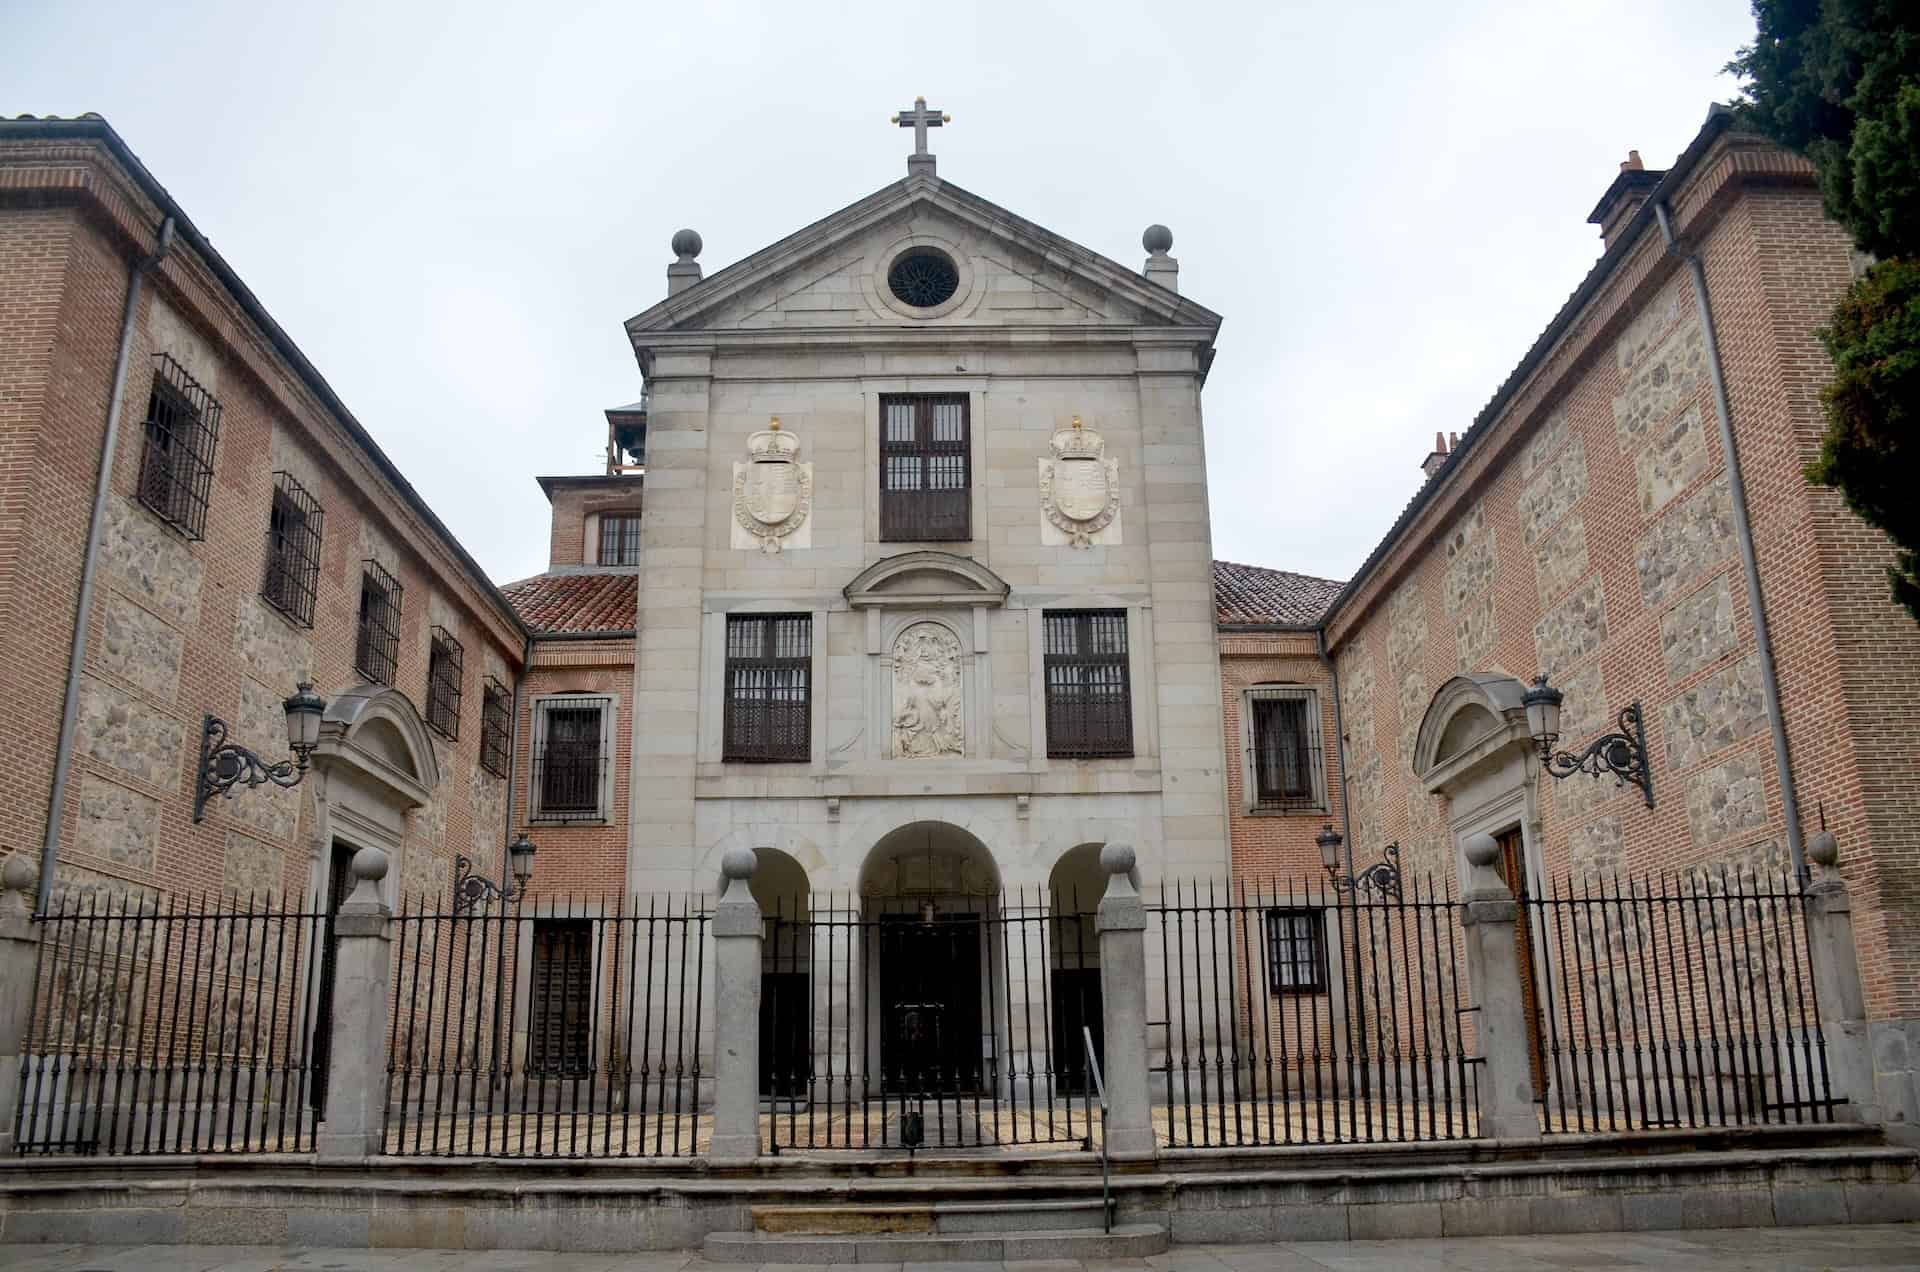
<point>926,458</point>
<point>376,650</point>
<point>496,727</point>
<point>293,550</point>
<point>1297,951</point>
<point>768,699</point>
<point>1283,750</point>
<point>445,660</point>
<point>562,975</point>
<point>176,468</point>
<point>620,540</point>
<point>1089,687</point>
<point>569,758</point>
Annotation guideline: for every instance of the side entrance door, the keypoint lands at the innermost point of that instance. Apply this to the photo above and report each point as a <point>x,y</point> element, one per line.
<point>1512,868</point>
<point>339,885</point>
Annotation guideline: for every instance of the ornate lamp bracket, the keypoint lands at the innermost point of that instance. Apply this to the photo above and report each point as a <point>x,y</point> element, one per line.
<point>471,891</point>
<point>225,765</point>
<point>1621,754</point>
<point>1382,876</point>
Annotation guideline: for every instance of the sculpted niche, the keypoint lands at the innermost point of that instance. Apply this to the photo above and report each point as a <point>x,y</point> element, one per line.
<point>926,693</point>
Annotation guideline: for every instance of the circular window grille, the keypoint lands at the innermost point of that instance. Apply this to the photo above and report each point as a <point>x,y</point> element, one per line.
<point>924,278</point>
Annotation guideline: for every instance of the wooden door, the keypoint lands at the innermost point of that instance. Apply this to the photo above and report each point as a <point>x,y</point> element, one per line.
<point>1512,867</point>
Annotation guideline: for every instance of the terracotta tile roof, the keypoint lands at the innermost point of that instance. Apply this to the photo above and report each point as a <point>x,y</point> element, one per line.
<point>1255,594</point>
<point>575,602</point>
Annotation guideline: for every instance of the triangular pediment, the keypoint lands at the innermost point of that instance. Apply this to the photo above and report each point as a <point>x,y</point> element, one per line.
<point>833,274</point>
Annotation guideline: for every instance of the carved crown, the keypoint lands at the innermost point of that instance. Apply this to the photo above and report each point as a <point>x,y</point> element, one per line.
<point>771,443</point>
<point>1078,442</point>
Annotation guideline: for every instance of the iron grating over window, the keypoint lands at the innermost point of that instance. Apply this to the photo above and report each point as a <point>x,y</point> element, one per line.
<point>620,539</point>
<point>562,1008</point>
<point>1297,951</point>
<point>176,466</point>
<point>1283,749</point>
<point>768,690</point>
<point>294,524</point>
<point>926,458</point>
<point>446,658</point>
<point>569,758</point>
<point>376,647</point>
<point>1089,685</point>
<point>496,727</point>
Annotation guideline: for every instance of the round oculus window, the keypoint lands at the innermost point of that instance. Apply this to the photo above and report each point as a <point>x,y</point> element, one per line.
<point>923,278</point>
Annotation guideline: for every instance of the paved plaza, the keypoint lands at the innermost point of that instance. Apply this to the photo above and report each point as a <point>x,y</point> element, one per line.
<point>1864,1246</point>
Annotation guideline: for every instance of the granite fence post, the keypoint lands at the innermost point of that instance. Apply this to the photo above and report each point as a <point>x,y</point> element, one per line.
<point>736,1023</point>
<point>1122,924</point>
<point>353,1123</point>
<point>1836,983</point>
<point>1488,913</point>
<point>19,950</point>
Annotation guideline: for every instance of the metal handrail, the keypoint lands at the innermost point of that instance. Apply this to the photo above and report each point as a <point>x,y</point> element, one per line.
<point>1106,1170</point>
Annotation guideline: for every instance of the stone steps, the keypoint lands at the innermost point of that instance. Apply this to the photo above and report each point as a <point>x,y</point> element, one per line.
<point>943,1218</point>
<point>1126,1241</point>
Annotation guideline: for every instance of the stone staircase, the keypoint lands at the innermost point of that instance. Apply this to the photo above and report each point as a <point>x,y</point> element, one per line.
<point>904,1231</point>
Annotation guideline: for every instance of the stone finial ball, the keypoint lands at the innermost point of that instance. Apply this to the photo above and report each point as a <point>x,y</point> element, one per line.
<point>1157,239</point>
<point>1823,849</point>
<point>687,244</point>
<point>370,863</point>
<point>1481,849</point>
<point>1117,858</point>
<point>739,863</point>
<point>18,875</point>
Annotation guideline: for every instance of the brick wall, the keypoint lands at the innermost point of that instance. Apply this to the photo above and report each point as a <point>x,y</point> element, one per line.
<point>588,860</point>
<point>574,500</point>
<point>1270,846</point>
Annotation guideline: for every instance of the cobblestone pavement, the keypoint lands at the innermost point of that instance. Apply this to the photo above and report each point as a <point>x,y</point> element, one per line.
<point>1864,1246</point>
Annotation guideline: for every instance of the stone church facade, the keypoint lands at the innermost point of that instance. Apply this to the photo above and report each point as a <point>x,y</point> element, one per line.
<point>899,574</point>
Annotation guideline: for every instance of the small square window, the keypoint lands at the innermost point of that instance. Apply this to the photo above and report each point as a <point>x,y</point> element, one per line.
<point>570,758</point>
<point>292,578</point>
<point>176,465</point>
<point>376,650</point>
<point>445,661</point>
<point>496,728</point>
<point>620,539</point>
<point>1284,771</point>
<point>1297,951</point>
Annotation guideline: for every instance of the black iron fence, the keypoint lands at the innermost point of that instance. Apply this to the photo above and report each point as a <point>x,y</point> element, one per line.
<point>164,1025</point>
<point>1675,1000</point>
<point>1294,1013</point>
<point>950,1023</point>
<point>562,1028</point>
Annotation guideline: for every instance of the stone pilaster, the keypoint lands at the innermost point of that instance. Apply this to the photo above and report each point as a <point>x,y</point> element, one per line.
<point>352,1125</point>
<point>1836,983</point>
<point>19,944</point>
<point>1489,912</point>
<point>736,1083</point>
<point>1122,924</point>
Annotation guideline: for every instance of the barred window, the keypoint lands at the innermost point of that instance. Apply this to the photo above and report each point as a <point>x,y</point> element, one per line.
<point>562,991</point>
<point>768,691</point>
<point>620,539</point>
<point>293,550</point>
<point>1297,951</point>
<point>176,467</point>
<point>376,649</point>
<point>1284,768</point>
<point>445,661</point>
<point>570,758</point>
<point>1089,687</point>
<point>926,457</point>
<point>496,727</point>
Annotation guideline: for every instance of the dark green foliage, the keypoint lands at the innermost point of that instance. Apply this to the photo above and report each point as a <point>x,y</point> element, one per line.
<point>1839,81</point>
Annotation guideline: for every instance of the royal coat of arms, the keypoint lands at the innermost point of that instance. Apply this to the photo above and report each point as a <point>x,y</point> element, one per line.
<point>1079,486</point>
<point>772,490</point>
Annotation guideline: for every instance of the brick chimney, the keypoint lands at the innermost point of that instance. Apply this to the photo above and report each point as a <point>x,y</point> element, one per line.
<point>1624,197</point>
<point>1441,448</point>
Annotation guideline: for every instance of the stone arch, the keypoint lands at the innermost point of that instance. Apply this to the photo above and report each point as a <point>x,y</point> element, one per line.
<point>374,764</point>
<point>928,858</point>
<point>1472,721</point>
<point>925,579</point>
<point>780,884</point>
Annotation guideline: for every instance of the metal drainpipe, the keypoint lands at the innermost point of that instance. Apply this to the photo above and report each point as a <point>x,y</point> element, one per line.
<point>1743,535</point>
<point>1339,742</point>
<point>102,489</point>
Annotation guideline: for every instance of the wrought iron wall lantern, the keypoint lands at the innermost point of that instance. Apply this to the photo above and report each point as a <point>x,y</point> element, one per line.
<point>1622,753</point>
<point>1382,876</point>
<point>471,890</point>
<point>225,765</point>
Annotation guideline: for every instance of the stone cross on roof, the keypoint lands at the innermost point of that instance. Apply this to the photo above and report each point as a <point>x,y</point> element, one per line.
<point>920,119</point>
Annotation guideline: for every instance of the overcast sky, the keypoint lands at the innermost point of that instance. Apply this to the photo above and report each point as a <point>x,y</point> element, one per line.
<point>453,207</point>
